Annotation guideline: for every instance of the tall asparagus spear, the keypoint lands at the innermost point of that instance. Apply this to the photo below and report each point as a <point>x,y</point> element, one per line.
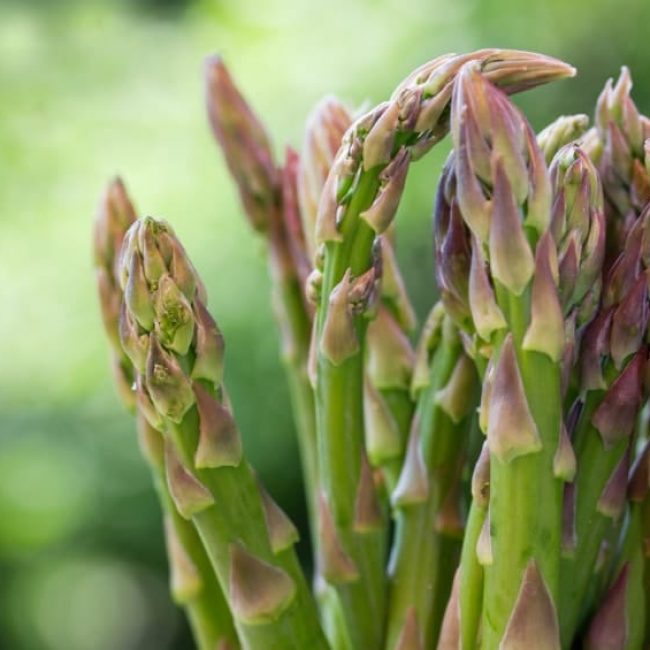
<point>193,582</point>
<point>269,197</point>
<point>177,351</point>
<point>504,197</point>
<point>359,201</point>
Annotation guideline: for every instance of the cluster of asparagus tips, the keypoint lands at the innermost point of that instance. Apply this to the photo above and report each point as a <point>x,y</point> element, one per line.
<point>520,511</point>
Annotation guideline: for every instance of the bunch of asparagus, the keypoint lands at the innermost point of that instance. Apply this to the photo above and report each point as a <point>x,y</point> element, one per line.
<point>487,488</point>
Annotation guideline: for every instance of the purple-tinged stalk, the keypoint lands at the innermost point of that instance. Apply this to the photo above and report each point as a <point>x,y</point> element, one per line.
<point>192,581</point>
<point>612,365</point>
<point>359,201</point>
<point>503,194</point>
<point>620,147</point>
<point>427,498</point>
<point>177,352</point>
<point>271,199</point>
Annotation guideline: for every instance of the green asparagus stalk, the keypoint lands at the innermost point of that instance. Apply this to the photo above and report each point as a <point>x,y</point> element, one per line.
<point>359,201</point>
<point>177,351</point>
<point>270,199</point>
<point>639,496</point>
<point>193,583</point>
<point>612,366</point>
<point>496,150</point>
<point>427,497</point>
<point>632,552</point>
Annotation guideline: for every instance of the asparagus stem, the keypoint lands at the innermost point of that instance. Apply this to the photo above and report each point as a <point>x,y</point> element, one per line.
<point>199,592</point>
<point>270,199</point>
<point>177,351</point>
<point>471,579</point>
<point>591,526</point>
<point>498,182</point>
<point>420,573</point>
<point>359,201</point>
<point>340,438</point>
<point>201,597</point>
<point>238,518</point>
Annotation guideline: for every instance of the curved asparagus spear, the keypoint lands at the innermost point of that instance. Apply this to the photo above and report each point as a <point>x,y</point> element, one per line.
<point>359,201</point>
<point>177,351</point>
<point>193,583</point>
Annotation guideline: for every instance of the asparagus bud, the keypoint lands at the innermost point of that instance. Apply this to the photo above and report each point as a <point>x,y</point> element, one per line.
<point>562,131</point>
<point>578,224</point>
<point>244,142</point>
<point>621,131</point>
<point>326,125</point>
<point>114,216</point>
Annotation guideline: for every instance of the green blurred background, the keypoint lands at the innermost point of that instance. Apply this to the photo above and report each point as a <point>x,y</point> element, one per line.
<point>90,89</point>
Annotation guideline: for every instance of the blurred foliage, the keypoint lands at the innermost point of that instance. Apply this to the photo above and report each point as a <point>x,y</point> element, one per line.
<point>91,89</point>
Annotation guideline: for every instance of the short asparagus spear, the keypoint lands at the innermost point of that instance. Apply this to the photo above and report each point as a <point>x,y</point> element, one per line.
<point>359,201</point>
<point>177,351</point>
<point>193,583</point>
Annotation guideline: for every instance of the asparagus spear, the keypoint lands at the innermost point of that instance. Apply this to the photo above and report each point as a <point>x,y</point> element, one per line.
<point>358,202</point>
<point>496,150</point>
<point>177,351</point>
<point>270,199</point>
<point>620,150</point>
<point>192,580</point>
<point>612,365</point>
<point>427,497</point>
